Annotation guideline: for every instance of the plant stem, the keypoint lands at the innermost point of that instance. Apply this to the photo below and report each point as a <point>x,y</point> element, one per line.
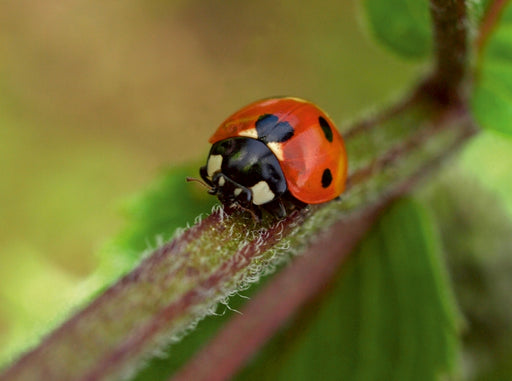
<point>182,281</point>
<point>448,83</point>
<point>490,19</point>
<point>265,313</point>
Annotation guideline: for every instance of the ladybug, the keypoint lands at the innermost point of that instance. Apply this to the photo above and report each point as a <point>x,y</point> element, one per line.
<point>276,154</point>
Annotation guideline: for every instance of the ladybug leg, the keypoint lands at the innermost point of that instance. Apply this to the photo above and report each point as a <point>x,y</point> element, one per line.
<point>291,203</point>
<point>255,212</point>
<point>280,210</point>
<point>276,208</point>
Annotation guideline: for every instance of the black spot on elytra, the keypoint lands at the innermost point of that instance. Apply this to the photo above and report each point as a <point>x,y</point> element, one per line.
<point>326,178</point>
<point>269,129</point>
<point>326,128</point>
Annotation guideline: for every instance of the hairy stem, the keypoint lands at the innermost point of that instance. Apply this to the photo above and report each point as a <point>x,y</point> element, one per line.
<point>449,18</point>
<point>264,314</point>
<point>183,280</point>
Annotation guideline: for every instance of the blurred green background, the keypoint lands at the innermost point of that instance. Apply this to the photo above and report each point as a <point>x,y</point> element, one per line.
<point>97,98</point>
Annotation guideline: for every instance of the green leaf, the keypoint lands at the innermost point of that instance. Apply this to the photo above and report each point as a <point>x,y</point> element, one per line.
<point>403,26</point>
<point>389,316</point>
<point>154,215</point>
<point>492,96</point>
<point>488,159</point>
<point>478,247</point>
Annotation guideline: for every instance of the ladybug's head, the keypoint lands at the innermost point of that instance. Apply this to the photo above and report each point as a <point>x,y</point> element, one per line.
<point>243,172</point>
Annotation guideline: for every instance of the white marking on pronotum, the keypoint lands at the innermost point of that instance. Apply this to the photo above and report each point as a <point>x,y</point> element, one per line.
<point>222,181</point>
<point>276,149</point>
<point>237,191</point>
<point>250,133</point>
<point>261,193</point>
<point>214,164</point>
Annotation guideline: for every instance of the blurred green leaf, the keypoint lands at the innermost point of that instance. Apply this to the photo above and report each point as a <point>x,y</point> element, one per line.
<point>488,159</point>
<point>403,26</point>
<point>478,246</point>
<point>25,302</point>
<point>492,95</point>
<point>154,215</point>
<point>389,316</point>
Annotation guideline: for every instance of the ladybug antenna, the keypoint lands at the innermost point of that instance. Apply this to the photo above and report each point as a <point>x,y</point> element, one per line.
<point>193,179</point>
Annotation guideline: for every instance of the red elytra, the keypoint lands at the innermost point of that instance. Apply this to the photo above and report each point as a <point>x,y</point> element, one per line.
<point>313,160</point>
